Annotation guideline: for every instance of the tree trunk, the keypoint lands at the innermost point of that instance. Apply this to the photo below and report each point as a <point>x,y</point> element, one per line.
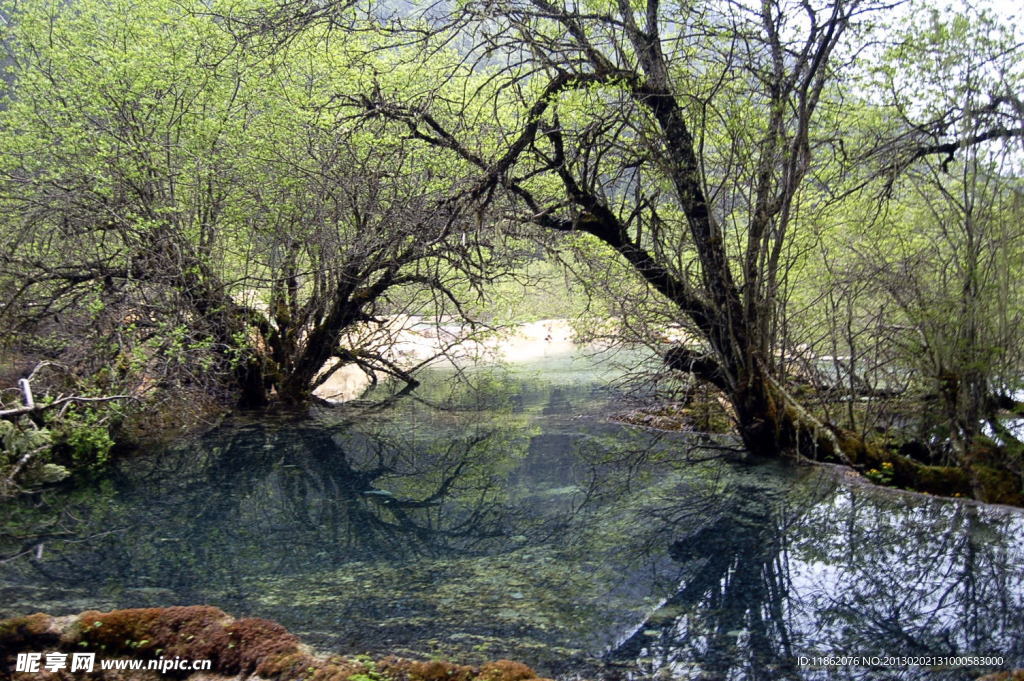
<point>769,422</point>
<point>252,384</point>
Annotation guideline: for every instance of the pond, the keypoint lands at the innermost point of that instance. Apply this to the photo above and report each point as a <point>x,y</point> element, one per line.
<point>505,515</point>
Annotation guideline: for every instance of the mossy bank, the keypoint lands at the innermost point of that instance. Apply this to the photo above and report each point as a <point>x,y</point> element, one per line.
<point>249,648</point>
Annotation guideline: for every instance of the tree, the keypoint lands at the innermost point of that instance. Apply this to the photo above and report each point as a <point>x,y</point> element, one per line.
<point>953,245</point>
<point>680,137</point>
<point>191,212</point>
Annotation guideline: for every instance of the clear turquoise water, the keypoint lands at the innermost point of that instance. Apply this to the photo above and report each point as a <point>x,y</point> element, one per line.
<point>507,516</point>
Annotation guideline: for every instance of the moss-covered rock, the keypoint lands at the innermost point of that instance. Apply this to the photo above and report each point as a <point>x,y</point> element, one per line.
<point>236,648</point>
<point>996,486</point>
<point>37,629</point>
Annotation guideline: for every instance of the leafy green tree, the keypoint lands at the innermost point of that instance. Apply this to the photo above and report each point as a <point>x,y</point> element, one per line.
<point>908,281</point>
<point>953,248</point>
<point>193,212</point>
<point>680,137</point>
<point>696,143</point>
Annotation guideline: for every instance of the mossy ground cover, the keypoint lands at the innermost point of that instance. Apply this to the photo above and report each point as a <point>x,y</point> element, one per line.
<point>235,647</point>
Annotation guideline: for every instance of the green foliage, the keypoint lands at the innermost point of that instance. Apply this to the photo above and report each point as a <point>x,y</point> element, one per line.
<point>25,452</point>
<point>20,439</point>
<point>882,475</point>
<point>87,440</point>
<point>30,455</point>
<point>179,210</point>
<point>200,209</point>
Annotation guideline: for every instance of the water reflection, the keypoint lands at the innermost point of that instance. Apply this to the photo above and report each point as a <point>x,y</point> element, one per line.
<point>727,611</point>
<point>510,521</point>
<point>278,498</point>
<point>850,572</point>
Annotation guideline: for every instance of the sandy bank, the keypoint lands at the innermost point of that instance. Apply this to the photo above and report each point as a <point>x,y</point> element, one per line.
<point>412,341</point>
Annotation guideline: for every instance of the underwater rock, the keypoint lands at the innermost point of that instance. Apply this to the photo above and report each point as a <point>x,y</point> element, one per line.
<point>249,648</point>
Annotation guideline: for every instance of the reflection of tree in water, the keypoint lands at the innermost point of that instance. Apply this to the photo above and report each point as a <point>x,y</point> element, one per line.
<point>261,499</point>
<point>373,497</point>
<point>767,580</point>
<point>927,578</point>
<point>558,403</point>
<point>726,615</point>
<point>390,530</point>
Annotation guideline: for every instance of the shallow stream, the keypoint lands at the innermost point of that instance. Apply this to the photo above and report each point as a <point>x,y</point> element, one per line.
<point>507,516</point>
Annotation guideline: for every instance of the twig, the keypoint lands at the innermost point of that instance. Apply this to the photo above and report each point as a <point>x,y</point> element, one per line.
<point>37,408</point>
<point>16,468</point>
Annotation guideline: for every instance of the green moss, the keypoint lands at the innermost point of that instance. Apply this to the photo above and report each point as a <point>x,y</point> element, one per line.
<point>885,466</point>
<point>944,480</point>
<point>997,486</point>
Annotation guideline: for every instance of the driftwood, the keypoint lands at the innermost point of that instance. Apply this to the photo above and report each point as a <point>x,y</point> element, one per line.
<point>30,406</point>
<point>26,392</point>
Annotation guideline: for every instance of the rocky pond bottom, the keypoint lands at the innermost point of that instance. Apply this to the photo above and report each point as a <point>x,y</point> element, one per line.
<point>507,517</point>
